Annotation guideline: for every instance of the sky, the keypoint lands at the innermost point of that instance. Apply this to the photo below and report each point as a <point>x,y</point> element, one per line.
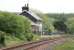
<point>45,6</point>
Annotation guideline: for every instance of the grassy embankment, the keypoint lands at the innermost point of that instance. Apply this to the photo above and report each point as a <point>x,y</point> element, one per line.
<point>12,41</point>
<point>68,45</point>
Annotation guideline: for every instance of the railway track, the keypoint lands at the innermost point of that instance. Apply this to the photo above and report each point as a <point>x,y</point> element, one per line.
<point>38,45</point>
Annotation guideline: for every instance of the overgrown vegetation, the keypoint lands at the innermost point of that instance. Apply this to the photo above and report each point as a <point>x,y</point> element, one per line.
<point>68,45</point>
<point>60,26</point>
<point>18,28</point>
<point>15,26</point>
<point>64,22</point>
<point>47,22</point>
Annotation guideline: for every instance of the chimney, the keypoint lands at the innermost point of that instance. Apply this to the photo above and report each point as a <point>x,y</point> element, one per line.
<point>26,7</point>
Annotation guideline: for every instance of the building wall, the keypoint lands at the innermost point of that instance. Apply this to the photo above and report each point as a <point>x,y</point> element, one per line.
<point>37,28</point>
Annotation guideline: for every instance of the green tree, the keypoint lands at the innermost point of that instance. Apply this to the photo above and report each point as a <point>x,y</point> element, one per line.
<point>70,24</point>
<point>60,26</point>
<point>15,25</point>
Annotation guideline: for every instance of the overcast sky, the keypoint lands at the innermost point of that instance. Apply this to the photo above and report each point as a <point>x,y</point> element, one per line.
<point>51,6</point>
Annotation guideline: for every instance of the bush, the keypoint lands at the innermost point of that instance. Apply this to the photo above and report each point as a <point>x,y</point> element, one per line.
<point>29,37</point>
<point>2,38</point>
<point>60,26</point>
<point>70,25</point>
<point>14,24</point>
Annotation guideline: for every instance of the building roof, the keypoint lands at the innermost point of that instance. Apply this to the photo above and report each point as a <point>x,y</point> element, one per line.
<point>28,13</point>
<point>33,17</point>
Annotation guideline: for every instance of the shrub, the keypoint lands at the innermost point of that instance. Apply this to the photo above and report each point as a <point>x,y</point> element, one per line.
<point>29,37</point>
<point>14,24</point>
<point>2,38</point>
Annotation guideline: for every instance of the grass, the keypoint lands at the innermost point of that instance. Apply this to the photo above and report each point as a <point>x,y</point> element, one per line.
<point>12,41</point>
<point>68,45</point>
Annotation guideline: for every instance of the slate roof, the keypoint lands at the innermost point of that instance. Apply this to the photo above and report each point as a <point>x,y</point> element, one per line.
<point>33,17</point>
